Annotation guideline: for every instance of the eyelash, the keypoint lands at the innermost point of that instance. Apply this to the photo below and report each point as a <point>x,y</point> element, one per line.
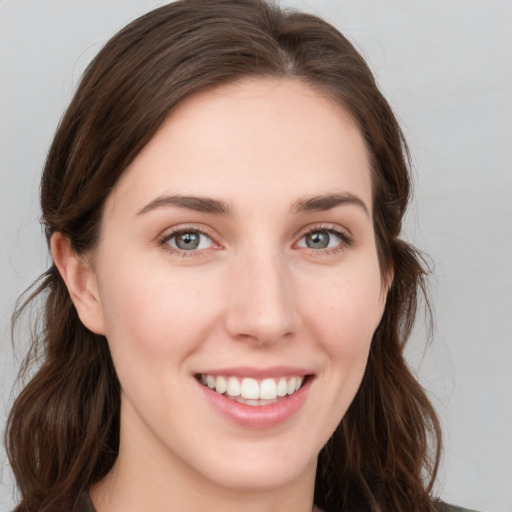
<point>345,240</point>
<point>164,241</point>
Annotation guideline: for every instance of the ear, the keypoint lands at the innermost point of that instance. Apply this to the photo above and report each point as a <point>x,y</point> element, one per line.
<point>80,279</point>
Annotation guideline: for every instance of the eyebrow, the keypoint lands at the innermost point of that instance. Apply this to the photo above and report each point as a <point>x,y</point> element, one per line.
<point>327,201</point>
<point>321,202</point>
<point>199,204</point>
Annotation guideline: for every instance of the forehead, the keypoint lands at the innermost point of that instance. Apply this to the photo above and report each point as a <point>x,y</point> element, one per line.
<point>279,138</point>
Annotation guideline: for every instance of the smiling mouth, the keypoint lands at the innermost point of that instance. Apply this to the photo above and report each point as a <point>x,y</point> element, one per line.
<point>251,391</point>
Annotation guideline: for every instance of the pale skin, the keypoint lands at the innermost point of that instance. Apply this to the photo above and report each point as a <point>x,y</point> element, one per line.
<point>284,271</point>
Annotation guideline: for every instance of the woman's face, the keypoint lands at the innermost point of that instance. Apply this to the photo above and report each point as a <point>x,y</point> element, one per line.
<point>237,252</point>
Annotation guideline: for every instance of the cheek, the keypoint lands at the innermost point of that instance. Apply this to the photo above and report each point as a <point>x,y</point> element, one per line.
<point>348,310</point>
<point>342,321</point>
<point>150,313</point>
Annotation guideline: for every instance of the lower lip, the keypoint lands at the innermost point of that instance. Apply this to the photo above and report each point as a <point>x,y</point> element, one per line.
<point>258,416</point>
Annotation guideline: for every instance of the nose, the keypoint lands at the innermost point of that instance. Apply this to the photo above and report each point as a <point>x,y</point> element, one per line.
<point>262,303</point>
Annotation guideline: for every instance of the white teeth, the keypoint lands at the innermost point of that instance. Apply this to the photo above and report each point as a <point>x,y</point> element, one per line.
<point>268,389</point>
<point>290,387</point>
<point>281,387</point>
<point>250,389</point>
<point>221,385</point>
<point>233,386</point>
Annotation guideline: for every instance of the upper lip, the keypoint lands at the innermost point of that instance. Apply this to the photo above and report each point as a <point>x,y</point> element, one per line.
<point>258,373</point>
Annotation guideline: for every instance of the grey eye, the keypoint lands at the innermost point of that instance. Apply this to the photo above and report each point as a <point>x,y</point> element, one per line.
<point>189,241</point>
<point>321,239</point>
<point>318,240</point>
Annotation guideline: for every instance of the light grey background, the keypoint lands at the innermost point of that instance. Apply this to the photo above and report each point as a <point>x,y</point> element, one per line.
<point>446,67</point>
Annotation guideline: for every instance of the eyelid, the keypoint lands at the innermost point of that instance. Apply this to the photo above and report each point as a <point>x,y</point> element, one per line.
<point>342,233</point>
<point>186,228</point>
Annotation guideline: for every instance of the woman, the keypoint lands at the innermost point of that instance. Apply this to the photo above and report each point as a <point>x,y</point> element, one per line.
<point>229,299</point>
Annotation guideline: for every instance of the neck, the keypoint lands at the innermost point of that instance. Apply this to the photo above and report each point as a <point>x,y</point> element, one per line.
<point>147,476</point>
<point>128,491</point>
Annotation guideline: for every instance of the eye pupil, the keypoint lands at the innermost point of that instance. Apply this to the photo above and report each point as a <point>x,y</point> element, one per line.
<point>317,240</point>
<point>187,241</point>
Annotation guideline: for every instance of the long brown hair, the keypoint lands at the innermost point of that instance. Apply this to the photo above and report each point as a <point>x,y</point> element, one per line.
<point>63,430</point>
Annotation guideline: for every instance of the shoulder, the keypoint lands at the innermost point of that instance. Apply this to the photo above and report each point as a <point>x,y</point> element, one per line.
<point>445,507</point>
<point>83,503</point>
<point>440,507</point>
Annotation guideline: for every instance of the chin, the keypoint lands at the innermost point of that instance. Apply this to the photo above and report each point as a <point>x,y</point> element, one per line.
<point>260,476</point>
<point>260,464</point>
